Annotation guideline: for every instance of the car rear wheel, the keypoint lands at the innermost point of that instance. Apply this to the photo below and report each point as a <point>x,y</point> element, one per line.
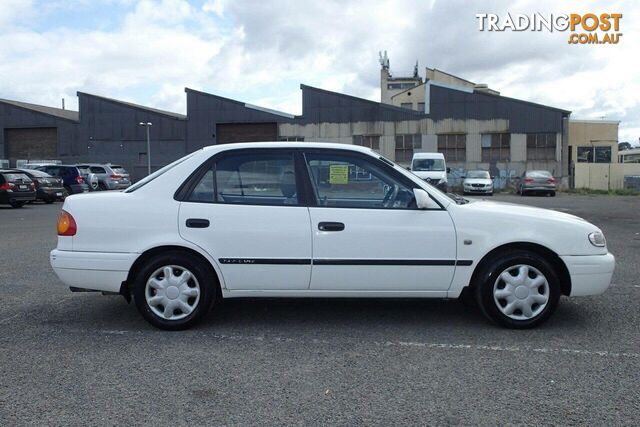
<point>518,290</point>
<point>16,204</point>
<point>552,194</point>
<point>174,291</point>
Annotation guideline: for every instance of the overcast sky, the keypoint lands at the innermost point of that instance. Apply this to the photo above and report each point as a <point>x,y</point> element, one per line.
<point>259,51</point>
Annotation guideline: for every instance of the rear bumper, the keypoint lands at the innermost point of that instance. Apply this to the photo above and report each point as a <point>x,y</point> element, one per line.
<point>590,275</point>
<point>538,188</point>
<point>48,193</point>
<point>22,196</point>
<point>79,188</point>
<point>98,271</point>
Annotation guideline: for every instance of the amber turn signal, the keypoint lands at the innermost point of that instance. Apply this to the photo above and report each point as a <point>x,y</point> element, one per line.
<point>66,224</point>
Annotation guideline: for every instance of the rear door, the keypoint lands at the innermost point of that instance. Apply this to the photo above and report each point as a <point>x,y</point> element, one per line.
<point>367,233</point>
<point>246,211</point>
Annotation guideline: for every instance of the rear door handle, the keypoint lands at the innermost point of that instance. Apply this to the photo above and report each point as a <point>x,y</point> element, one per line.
<point>197,223</point>
<point>330,226</point>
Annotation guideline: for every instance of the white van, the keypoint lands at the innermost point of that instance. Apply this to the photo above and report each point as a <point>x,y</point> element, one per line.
<point>432,168</point>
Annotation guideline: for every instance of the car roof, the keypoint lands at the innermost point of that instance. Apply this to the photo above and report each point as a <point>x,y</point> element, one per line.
<point>286,144</point>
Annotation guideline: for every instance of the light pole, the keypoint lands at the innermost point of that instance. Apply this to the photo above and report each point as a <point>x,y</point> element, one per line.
<point>148,125</point>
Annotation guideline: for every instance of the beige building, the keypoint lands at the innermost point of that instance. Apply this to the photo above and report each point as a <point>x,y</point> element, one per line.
<point>593,152</point>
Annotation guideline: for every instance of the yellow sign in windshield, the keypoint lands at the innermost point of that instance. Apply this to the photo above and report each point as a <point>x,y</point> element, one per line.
<point>338,174</point>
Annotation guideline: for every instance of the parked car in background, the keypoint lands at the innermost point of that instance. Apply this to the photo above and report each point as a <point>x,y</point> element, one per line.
<point>48,188</point>
<point>71,178</point>
<point>431,167</point>
<point>110,177</point>
<point>477,182</point>
<point>293,219</point>
<point>34,165</point>
<point>90,178</point>
<point>536,182</point>
<point>16,188</point>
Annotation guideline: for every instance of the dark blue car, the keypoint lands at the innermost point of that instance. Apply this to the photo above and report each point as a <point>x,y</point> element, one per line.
<point>71,177</point>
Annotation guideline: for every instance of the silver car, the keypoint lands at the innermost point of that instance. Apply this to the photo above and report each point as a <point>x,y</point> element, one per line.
<point>110,177</point>
<point>90,178</point>
<point>537,182</point>
<point>477,182</point>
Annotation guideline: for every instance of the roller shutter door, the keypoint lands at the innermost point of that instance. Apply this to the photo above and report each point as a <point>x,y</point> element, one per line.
<point>31,143</point>
<point>246,132</point>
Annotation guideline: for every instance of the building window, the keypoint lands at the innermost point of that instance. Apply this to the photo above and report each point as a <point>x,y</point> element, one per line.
<point>453,146</point>
<point>541,146</point>
<point>400,85</point>
<point>407,105</point>
<point>405,144</point>
<point>496,147</point>
<point>292,138</point>
<point>594,154</point>
<point>370,141</point>
<point>421,107</point>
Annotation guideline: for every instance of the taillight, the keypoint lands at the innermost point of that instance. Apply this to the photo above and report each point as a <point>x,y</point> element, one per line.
<point>551,181</point>
<point>66,224</point>
<point>528,180</point>
<point>79,179</point>
<point>6,186</point>
<point>116,176</point>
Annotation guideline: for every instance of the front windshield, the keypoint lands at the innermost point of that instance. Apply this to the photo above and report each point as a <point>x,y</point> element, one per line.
<point>478,174</point>
<point>421,165</point>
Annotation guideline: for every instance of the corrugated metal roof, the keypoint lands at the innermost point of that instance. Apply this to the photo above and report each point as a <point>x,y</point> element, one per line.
<point>50,111</point>
<point>137,106</point>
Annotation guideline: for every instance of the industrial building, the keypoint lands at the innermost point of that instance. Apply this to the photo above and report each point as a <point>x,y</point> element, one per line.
<point>473,126</point>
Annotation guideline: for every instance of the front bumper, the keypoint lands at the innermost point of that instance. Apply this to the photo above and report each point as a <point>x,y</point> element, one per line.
<point>590,275</point>
<point>478,190</point>
<point>100,271</point>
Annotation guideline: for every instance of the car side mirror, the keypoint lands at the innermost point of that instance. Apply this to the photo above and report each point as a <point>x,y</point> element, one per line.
<point>423,201</point>
<point>448,170</point>
<point>408,168</point>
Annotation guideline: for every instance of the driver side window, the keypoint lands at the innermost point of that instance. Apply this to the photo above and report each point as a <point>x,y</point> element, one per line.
<point>347,181</point>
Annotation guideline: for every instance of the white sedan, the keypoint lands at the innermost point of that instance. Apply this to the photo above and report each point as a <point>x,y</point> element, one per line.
<point>318,220</point>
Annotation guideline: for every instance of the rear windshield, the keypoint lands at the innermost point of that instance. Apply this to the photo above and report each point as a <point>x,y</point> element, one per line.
<point>11,177</point>
<point>149,178</point>
<point>38,173</point>
<point>539,174</point>
<point>119,169</point>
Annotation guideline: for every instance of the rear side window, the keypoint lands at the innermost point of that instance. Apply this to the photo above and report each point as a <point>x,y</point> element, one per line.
<point>250,179</point>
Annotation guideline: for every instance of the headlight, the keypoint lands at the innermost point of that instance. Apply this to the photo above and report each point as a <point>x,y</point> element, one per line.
<point>597,239</point>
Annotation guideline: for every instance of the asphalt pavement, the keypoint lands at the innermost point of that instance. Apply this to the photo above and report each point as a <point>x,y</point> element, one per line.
<point>86,359</point>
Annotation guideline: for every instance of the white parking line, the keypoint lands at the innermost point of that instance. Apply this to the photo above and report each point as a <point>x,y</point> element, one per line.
<point>445,346</point>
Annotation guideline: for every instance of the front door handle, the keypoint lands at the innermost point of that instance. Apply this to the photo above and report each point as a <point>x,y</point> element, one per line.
<point>330,226</point>
<point>197,223</point>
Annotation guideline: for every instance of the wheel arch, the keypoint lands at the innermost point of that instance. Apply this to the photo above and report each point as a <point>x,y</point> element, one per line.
<point>548,254</point>
<point>157,250</point>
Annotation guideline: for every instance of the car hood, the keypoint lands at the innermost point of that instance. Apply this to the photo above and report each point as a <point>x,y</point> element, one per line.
<point>526,212</point>
<point>477,181</point>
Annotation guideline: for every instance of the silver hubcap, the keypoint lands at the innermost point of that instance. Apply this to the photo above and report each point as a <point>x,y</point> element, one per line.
<point>521,292</point>
<point>172,292</point>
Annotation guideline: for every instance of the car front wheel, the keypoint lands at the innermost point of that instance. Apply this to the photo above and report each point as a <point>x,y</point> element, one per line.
<point>519,290</point>
<point>174,291</point>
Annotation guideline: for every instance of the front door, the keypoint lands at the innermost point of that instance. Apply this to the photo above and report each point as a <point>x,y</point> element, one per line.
<point>367,233</point>
<point>245,211</point>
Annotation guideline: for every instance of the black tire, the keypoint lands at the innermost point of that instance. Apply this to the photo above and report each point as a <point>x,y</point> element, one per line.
<point>101,186</point>
<point>16,205</point>
<point>552,194</point>
<point>203,273</point>
<point>489,275</point>
<point>49,200</point>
